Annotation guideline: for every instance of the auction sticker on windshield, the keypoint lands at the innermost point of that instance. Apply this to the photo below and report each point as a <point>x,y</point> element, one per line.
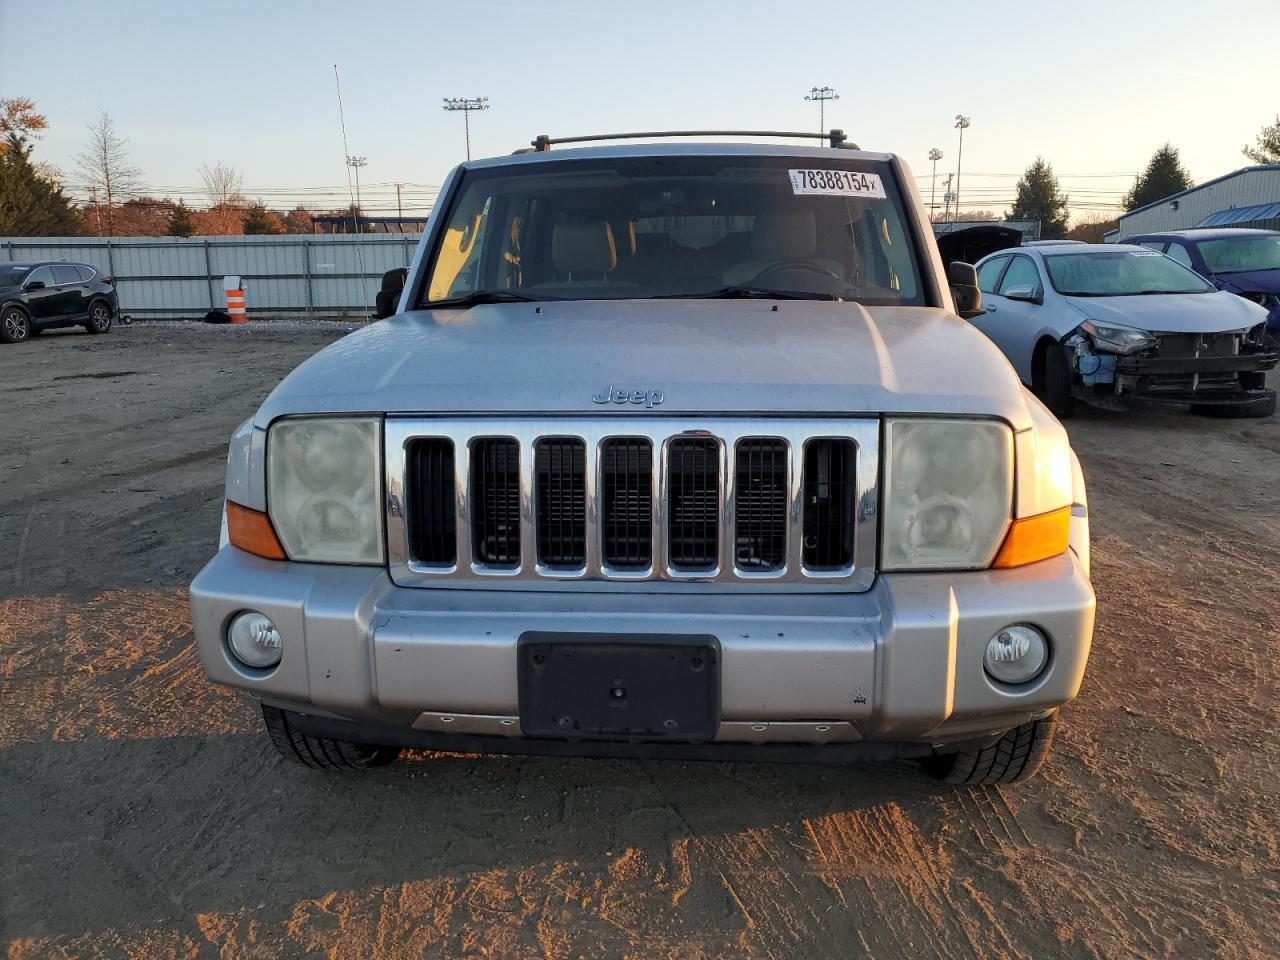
<point>836,183</point>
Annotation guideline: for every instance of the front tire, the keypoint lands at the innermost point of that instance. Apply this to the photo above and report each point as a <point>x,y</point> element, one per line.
<point>1053,381</point>
<point>1263,406</point>
<point>321,753</point>
<point>15,326</point>
<point>1015,757</point>
<point>99,318</point>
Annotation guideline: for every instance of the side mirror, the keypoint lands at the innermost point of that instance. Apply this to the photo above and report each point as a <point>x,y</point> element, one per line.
<point>964,289</point>
<point>34,285</point>
<point>388,298</point>
<point>1024,292</point>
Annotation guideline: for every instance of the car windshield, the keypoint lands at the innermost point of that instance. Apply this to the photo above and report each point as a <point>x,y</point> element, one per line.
<point>677,226</point>
<point>10,274</point>
<point>1120,273</point>
<point>1241,254</point>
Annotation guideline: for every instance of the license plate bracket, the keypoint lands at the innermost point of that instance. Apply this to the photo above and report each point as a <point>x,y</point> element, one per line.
<point>604,686</point>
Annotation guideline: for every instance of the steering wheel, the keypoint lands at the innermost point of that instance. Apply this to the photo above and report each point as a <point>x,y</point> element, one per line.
<point>805,265</point>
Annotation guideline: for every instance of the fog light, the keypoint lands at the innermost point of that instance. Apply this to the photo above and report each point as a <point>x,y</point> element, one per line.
<point>1016,654</point>
<point>254,640</point>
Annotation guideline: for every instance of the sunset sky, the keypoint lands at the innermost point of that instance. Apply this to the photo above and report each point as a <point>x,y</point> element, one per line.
<point>1094,87</point>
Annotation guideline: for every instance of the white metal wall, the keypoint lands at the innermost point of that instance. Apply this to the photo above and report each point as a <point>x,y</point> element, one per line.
<point>1244,188</point>
<point>182,277</point>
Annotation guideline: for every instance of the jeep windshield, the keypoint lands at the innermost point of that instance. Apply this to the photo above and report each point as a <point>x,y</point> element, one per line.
<point>1241,254</point>
<point>1122,273</point>
<point>676,226</point>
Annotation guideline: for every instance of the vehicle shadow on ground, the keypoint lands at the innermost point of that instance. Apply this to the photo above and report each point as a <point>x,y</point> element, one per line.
<point>198,825</point>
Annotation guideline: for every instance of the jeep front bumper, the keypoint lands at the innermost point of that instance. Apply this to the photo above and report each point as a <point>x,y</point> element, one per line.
<point>900,663</point>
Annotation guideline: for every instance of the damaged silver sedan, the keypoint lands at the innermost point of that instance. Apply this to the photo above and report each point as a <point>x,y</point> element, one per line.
<point>1109,323</point>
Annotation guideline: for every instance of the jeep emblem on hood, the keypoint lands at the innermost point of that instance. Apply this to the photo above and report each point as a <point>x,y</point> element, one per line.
<point>649,398</point>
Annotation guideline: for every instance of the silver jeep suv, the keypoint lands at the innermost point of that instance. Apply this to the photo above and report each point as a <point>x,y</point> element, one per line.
<point>671,450</point>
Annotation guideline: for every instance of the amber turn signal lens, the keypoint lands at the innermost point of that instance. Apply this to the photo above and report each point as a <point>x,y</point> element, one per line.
<point>252,532</point>
<point>1035,538</point>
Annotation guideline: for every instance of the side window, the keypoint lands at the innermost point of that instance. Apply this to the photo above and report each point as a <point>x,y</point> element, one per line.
<point>1021,273</point>
<point>86,273</point>
<point>458,261</point>
<point>989,273</point>
<point>1178,252</point>
<point>1157,245</point>
<point>42,274</point>
<point>65,274</point>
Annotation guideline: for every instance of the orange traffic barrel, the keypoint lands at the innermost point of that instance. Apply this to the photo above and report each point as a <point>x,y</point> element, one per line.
<point>235,306</point>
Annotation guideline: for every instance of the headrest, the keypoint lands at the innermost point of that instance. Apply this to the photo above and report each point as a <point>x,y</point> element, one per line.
<point>785,235</point>
<point>585,247</point>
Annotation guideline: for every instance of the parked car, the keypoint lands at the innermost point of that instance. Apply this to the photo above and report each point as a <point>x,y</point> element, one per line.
<point>42,296</point>
<point>675,450</point>
<point>1107,323</point>
<point>1241,261</point>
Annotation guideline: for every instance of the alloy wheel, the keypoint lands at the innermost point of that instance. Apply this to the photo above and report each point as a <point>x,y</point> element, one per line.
<point>101,318</point>
<point>15,325</point>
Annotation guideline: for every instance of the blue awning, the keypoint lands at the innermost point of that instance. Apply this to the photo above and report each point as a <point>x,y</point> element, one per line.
<point>1238,215</point>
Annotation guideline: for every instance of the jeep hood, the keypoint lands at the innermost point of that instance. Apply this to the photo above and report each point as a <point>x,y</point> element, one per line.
<point>1210,312</point>
<point>1251,281</point>
<point>718,357</point>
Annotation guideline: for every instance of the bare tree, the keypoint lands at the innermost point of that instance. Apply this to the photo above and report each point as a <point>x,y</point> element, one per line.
<point>107,170</point>
<point>224,186</point>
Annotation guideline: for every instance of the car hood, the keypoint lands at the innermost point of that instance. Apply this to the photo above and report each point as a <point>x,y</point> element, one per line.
<point>1172,312</point>
<point>1253,281</point>
<point>717,357</point>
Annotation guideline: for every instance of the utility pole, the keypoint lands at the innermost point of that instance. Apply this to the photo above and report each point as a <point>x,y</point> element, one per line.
<point>97,210</point>
<point>355,163</point>
<point>466,105</point>
<point>822,95</point>
<point>962,124</point>
<point>946,199</point>
<point>399,206</point>
<point>935,155</point>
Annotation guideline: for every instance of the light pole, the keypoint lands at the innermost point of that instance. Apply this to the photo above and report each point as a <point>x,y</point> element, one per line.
<point>466,105</point>
<point>822,95</point>
<point>355,163</point>
<point>962,124</point>
<point>935,155</point>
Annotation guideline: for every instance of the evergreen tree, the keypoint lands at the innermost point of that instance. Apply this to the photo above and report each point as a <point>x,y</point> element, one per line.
<point>1268,148</point>
<point>1040,197</point>
<point>181,223</point>
<point>259,220</point>
<point>30,205</point>
<point>1164,176</point>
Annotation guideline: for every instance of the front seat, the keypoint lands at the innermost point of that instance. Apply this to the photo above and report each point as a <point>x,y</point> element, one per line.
<point>776,238</point>
<point>584,252</point>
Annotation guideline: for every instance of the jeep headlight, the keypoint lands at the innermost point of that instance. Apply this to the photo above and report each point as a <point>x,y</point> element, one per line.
<point>948,493</point>
<point>1110,338</point>
<point>324,488</point>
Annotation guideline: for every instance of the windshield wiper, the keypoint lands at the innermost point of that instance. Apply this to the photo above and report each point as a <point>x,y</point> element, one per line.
<point>741,292</point>
<point>1147,293</point>
<point>478,297</point>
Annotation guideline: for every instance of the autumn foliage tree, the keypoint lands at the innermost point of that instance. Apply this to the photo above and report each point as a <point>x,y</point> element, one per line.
<point>108,172</point>
<point>259,220</point>
<point>31,203</point>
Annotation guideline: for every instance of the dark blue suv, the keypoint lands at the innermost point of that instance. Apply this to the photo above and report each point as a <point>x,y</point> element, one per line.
<point>1240,261</point>
<point>41,296</point>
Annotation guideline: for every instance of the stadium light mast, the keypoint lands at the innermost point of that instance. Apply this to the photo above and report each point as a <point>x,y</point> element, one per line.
<point>935,155</point>
<point>822,95</point>
<point>962,124</point>
<point>466,105</point>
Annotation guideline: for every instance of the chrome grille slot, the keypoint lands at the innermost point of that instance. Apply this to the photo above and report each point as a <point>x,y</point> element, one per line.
<point>828,503</point>
<point>432,522</point>
<point>560,476</point>
<point>693,503</point>
<point>495,501</point>
<point>626,509</point>
<point>761,480</point>
<point>598,502</point>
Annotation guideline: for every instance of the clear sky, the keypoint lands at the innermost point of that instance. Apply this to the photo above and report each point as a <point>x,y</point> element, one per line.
<point>1094,87</point>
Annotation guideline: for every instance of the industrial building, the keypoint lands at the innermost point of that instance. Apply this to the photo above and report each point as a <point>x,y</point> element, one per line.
<point>1249,197</point>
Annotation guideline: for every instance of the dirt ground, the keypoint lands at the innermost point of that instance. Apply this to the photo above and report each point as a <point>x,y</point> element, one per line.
<point>144,814</point>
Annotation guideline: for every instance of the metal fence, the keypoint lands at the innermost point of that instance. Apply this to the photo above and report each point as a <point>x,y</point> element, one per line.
<point>168,277</point>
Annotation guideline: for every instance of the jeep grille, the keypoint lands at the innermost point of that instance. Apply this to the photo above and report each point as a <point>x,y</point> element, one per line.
<point>631,499</point>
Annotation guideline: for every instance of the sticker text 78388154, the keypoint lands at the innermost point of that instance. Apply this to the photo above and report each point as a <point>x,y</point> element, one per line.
<point>836,183</point>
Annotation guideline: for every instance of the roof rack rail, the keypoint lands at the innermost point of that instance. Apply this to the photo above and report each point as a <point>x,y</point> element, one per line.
<point>836,138</point>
